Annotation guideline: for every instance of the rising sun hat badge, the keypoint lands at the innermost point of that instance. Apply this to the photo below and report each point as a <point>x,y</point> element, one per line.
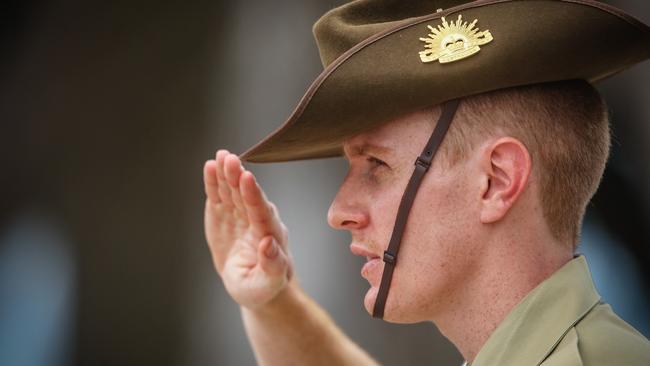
<point>453,41</point>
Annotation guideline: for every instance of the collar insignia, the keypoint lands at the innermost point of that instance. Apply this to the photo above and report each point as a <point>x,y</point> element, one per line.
<point>453,41</point>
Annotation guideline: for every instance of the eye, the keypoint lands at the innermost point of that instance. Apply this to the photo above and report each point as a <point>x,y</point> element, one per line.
<point>376,162</point>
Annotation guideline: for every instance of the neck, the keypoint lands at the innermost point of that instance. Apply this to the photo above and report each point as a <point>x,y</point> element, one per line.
<point>508,271</point>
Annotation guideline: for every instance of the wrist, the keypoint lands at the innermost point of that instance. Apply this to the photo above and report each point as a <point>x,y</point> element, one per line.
<point>287,297</point>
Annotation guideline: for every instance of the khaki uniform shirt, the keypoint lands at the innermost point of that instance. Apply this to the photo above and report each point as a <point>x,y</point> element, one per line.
<point>563,322</point>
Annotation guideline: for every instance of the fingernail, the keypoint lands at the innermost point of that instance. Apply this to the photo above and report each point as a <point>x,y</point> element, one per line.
<point>272,250</point>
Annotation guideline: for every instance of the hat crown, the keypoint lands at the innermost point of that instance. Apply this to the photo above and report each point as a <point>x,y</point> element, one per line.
<point>341,28</point>
<point>379,65</point>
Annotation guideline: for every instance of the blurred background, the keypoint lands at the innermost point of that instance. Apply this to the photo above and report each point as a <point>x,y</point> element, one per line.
<point>108,112</point>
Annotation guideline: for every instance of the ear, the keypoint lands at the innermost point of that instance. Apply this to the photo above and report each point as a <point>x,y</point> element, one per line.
<point>506,166</point>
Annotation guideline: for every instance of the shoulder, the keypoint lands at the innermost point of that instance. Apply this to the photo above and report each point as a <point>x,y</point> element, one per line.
<point>601,338</point>
<point>606,339</point>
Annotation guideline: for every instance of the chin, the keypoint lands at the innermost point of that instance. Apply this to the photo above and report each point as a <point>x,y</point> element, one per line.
<point>392,312</point>
<point>398,312</point>
<point>370,298</point>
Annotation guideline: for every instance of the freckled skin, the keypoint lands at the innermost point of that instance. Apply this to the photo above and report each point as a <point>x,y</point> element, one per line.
<point>471,250</point>
<point>432,259</point>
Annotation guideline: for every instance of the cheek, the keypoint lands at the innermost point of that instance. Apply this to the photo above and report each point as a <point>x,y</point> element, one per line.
<point>436,251</point>
<point>383,210</point>
<point>444,211</point>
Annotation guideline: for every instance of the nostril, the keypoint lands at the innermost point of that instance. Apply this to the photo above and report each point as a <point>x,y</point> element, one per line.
<point>348,223</point>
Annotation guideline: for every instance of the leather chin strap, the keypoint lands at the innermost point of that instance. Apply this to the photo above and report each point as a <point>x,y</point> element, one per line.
<point>422,164</point>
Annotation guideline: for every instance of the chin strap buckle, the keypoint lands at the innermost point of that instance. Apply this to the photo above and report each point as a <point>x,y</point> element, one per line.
<point>389,258</point>
<point>424,162</point>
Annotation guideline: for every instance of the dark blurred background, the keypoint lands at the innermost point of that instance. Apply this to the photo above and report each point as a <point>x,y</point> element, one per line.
<point>109,110</point>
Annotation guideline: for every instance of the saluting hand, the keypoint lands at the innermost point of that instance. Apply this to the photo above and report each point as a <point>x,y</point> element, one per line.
<point>244,232</point>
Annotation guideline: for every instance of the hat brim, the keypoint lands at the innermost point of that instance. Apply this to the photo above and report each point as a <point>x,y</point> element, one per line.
<point>383,77</point>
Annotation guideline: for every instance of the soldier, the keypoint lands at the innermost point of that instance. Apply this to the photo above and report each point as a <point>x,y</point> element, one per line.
<point>485,111</point>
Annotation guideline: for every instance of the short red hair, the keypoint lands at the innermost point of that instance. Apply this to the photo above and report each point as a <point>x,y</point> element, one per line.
<point>565,127</point>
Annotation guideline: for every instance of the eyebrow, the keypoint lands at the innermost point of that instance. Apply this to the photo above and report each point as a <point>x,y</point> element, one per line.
<point>365,149</point>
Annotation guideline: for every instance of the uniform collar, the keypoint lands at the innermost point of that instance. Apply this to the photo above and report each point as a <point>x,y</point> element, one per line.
<point>539,322</point>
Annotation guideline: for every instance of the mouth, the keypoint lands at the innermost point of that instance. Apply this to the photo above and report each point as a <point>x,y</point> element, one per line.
<point>371,270</point>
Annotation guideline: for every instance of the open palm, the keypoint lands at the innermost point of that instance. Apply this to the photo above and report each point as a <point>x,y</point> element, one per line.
<point>247,240</point>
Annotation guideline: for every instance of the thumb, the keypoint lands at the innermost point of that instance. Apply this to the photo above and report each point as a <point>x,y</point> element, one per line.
<point>273,261</point>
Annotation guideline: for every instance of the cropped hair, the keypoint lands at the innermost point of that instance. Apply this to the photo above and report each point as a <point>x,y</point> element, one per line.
<point>565,127</point>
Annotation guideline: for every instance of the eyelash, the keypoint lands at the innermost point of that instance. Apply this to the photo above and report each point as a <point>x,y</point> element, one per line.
<point>375,161</point>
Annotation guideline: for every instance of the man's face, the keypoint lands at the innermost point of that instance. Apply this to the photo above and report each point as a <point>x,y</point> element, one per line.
<point>438,249</point>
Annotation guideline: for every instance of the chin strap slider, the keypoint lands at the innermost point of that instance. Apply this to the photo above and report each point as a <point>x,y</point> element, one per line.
<point>424,162</point>
<point>389,258</point>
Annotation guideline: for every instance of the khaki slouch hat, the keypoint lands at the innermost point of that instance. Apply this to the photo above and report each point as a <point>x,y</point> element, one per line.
<point>374,68</point>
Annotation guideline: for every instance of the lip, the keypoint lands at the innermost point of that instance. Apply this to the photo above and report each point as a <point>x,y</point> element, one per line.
<point>360,250</point>
<point>372,269</point>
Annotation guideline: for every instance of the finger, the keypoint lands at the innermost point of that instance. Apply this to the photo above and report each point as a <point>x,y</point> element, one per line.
<point>233,171</point>
<point>260,212</point>
<point>218,248</point>
<point>279,228</point>
<point>272,259</point>
<point>210,181</point>
<point>224,188</point>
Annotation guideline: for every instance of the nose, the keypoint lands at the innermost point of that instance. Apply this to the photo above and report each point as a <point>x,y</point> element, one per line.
<point>347,211</point>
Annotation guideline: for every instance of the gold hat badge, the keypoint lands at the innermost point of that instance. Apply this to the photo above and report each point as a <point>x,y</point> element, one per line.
<point>453,41</point>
